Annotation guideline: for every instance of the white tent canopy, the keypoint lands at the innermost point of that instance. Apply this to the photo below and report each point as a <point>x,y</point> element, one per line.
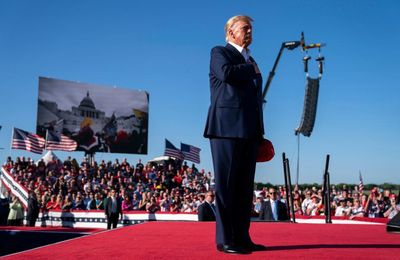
<point>48,157</point>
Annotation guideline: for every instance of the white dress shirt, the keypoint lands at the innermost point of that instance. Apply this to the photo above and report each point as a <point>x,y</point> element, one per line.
<point>244,51</point>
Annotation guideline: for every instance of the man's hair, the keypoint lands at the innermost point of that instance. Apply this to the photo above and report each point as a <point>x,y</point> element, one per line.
<point>231,22</point>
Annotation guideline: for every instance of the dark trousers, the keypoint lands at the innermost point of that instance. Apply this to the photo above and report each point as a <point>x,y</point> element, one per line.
<point>112,218</point>
<point>31,221</point>
<point>15,222</point>
<point>234,168</point>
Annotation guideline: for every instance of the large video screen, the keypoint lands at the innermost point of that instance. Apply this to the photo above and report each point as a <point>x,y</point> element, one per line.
<point>99,119</point>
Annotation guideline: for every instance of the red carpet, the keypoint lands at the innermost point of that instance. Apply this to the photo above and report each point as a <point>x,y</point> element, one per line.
<point>195,240</point>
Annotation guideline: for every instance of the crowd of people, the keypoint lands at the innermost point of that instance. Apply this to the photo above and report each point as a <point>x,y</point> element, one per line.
<point>169,187</point>
<point>345,201</point>
<point>70,185</point>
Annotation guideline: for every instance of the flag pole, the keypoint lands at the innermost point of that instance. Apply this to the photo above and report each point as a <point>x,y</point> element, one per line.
<point>1,148</point>
<point>12,135</point>
<point>45,141</point>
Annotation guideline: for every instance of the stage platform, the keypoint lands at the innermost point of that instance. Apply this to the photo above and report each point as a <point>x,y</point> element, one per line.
<point>195,240</point>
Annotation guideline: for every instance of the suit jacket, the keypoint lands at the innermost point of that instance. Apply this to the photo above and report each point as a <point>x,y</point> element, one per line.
<point>33,208</point>
<point>108,206</point>
<point>236,98</point>
<point>205,212</point>
<point>266,211</point>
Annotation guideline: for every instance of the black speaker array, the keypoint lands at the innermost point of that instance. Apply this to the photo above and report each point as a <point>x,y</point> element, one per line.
<point>309,108</point>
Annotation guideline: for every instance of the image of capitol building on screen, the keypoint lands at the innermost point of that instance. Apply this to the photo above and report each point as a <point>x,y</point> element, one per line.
<point>99,119</point>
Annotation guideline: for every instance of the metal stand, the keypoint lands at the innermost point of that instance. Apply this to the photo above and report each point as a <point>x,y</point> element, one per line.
<point>327,193</point>
<point>288,187</point>
<point>291,45</point>
<point>285,45</point>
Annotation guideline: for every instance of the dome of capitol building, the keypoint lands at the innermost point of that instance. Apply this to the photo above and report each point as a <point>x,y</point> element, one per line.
<point>87,102</point>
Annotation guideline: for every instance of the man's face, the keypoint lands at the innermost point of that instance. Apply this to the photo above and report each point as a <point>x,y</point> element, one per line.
<point>210,197</point>
<point>272,194</point>
<point>241,33</point>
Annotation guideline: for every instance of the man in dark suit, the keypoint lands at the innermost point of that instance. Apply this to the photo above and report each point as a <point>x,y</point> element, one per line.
<point>235,128</point>
<point>206,211</point>
<point>113,209</point>
<point>273,209</point>
<point>33,209</point>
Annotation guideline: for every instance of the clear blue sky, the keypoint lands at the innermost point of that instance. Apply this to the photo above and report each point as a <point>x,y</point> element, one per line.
<point>163,47</point>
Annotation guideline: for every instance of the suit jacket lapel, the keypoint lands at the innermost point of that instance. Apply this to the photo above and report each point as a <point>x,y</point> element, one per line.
<point>236,53</point>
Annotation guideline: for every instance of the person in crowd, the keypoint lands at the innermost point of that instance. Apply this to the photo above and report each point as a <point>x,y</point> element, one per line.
<point>59,202</point>
<point>67,205</point>
<point>176,203</point>
<point>187,205</point>
<point>4,209</point>
<point>342,209</point>
<point>196,203</point>
<point>356,196</point>
<point>273,209</point>
<point>135,202</point>
<point>257,205</point>
<point>79,203</point>
<point>16,214</point>
<point>306,201</point>
<point>398,198</point>
<point>385,203</point>
<point>357,210</point>
<point>394,208</point>
<point>33,209</point>
<point>206,211</point>
<point>165,203</point>
<point>113,208</point>
<point>99,202</point>
<point>126,203</point>
<point>363,202</point>
<point>91,202</point>
<point>139,166</point>
<point>297,207</point>
<point>152,206</point>
<point>372,206</point>
<point>313,207</point>
<point>45,199</point>
<point>144,201</point>
<point>51,203</point>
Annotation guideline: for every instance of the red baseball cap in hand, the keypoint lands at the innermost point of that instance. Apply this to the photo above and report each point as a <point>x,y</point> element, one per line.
<point>266,151</point>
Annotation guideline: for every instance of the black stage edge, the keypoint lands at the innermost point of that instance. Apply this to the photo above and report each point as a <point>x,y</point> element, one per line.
<point>13,241</point>
<point>394,224</point>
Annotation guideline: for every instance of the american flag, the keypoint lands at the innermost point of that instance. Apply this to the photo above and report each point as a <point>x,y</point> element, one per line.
<point>190,153</point>
<point>361,185</point>
<point>27,141</point>
<point>171,150</point>
<point>59,142</point>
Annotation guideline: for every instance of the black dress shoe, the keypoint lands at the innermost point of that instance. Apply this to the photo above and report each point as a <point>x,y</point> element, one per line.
<point>232,249</point>
<point>255,247</point>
